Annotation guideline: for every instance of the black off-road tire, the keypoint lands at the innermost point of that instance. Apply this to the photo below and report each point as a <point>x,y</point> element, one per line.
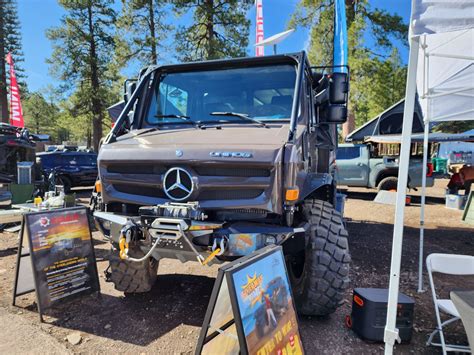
<point>130,276</point>
<point>322,270</point>
<point>388,184</point>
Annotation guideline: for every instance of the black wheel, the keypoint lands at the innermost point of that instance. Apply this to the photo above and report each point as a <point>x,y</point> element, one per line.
<point>388,183</point>
<point>130,276</point>
<point>64,181</point>
<point>320,274</point>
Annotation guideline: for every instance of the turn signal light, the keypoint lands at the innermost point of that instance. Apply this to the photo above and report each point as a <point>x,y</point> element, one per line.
<point>98,186</point>
<point>292,194</point>
<point>359,301</point>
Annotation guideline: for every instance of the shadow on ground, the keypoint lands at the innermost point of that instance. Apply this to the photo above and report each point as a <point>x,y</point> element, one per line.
<point>369,195</point>
<point>140,319</point>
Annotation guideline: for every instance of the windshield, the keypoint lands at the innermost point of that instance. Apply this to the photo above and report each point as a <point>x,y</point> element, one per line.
<point>263,92</point>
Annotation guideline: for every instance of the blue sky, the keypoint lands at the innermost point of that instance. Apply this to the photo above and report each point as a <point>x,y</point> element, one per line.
<point>38,15</point>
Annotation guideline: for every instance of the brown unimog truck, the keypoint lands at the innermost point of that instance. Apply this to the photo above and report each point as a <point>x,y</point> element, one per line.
<point>211,161</point>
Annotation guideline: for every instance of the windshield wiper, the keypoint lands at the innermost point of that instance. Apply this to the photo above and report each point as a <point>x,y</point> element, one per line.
<point>160,124</point>
<point>242,116</point>
<point>183,117</point>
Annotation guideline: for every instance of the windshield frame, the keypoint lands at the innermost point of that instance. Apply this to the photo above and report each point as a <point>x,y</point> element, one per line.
<point>223,65</point>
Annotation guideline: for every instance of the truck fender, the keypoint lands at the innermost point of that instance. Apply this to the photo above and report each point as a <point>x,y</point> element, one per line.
<point>381,173</point>
<point>320,186</point>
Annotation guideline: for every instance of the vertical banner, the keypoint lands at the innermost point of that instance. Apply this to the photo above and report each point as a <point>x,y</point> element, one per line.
<point>16,112</point>
<point>340,36</point>
<point>259,50</point>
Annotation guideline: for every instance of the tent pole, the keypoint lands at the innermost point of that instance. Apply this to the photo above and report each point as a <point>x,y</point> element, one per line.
<point>423,201</point>
<point>391,332</point>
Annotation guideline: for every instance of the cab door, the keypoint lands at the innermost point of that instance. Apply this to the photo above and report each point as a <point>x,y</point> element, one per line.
<point>352,163</point>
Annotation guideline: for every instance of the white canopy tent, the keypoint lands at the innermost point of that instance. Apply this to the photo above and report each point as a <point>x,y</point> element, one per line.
<point>441,68</point>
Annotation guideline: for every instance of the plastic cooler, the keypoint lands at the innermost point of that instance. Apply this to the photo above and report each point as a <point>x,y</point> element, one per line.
<point>440,165</point>
<point>455,202</point>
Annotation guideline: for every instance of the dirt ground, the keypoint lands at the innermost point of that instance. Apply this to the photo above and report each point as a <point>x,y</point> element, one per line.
<point>167,320</point>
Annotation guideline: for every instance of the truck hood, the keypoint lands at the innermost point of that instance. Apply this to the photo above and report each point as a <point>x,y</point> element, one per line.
<point>241,135</point>
<point>184,144</point>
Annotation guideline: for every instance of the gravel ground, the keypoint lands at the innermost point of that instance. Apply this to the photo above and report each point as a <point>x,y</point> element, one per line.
<point>167,320</point>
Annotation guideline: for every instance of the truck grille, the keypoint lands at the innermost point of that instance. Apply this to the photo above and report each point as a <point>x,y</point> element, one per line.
<point>215,182</point>
<point>200,170</point>
<point>140,190</point>
<point>136,169</point>
<point>241,172</point>
<point>241,194</point>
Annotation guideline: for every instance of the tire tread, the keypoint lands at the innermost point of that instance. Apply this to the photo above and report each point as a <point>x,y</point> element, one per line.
<point>326,275</point>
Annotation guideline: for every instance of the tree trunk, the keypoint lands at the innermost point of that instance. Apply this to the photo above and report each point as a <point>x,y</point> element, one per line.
<point>95,86</point>
<point>3,76</point>
<point>151,14</point>
<point>211,51</point>
<point>349,126</point>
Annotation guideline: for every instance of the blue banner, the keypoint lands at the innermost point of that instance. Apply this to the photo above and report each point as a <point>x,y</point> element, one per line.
<point>340,35</point>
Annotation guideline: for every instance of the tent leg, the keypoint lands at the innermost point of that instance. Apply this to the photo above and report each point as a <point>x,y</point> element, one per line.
<point>391,333</point>
<point>423,202</point>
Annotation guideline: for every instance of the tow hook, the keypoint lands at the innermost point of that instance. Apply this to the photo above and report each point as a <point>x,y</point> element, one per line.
<point>125,238</point>
<point>123,247</point>
<point>216,250</point>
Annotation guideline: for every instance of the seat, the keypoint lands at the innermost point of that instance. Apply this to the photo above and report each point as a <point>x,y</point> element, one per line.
<point>447,306</point>
<point>464,302</point>
<point>217,107</point>
<point>449,264</point>
<point>285,101</point>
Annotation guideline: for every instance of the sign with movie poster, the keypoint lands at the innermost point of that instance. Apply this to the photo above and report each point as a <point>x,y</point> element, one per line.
<point>62,255</point>
<point>266,306</point>
<point>251,310</point>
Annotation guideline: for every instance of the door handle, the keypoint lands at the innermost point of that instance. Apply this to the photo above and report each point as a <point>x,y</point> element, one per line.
<point>360,164</point>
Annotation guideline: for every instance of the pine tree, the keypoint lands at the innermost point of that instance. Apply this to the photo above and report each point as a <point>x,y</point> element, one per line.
<point>10,42</point>
<point>83,50</point>
<point>365,62</point>
<point>40,115</point>
<point>141,31</point>
<point>219,29</point>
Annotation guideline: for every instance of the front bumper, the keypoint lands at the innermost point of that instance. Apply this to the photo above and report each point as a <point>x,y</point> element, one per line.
<point>189,239</point>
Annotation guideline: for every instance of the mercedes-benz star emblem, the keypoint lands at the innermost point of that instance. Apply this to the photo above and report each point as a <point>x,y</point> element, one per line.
<point>178,184</point>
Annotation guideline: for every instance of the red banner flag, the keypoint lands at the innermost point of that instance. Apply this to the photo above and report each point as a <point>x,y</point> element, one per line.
<point>259,50</point>
<point>16,112</point>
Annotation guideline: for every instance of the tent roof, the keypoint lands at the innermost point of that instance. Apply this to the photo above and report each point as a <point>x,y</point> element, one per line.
<point>388,122</point>
<point>432,137</point>
<point>438,16</point>
<point>445,71</point>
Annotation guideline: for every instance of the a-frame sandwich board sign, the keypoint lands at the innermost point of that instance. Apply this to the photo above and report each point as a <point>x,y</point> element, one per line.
<point>251,309</point>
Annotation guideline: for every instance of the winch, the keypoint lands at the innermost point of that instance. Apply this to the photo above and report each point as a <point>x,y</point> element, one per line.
<point>189,210</point>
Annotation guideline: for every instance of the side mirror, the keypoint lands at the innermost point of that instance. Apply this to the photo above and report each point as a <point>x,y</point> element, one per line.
<point>129,87</point>
<point>336,114</point>
<point>339,88</point>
